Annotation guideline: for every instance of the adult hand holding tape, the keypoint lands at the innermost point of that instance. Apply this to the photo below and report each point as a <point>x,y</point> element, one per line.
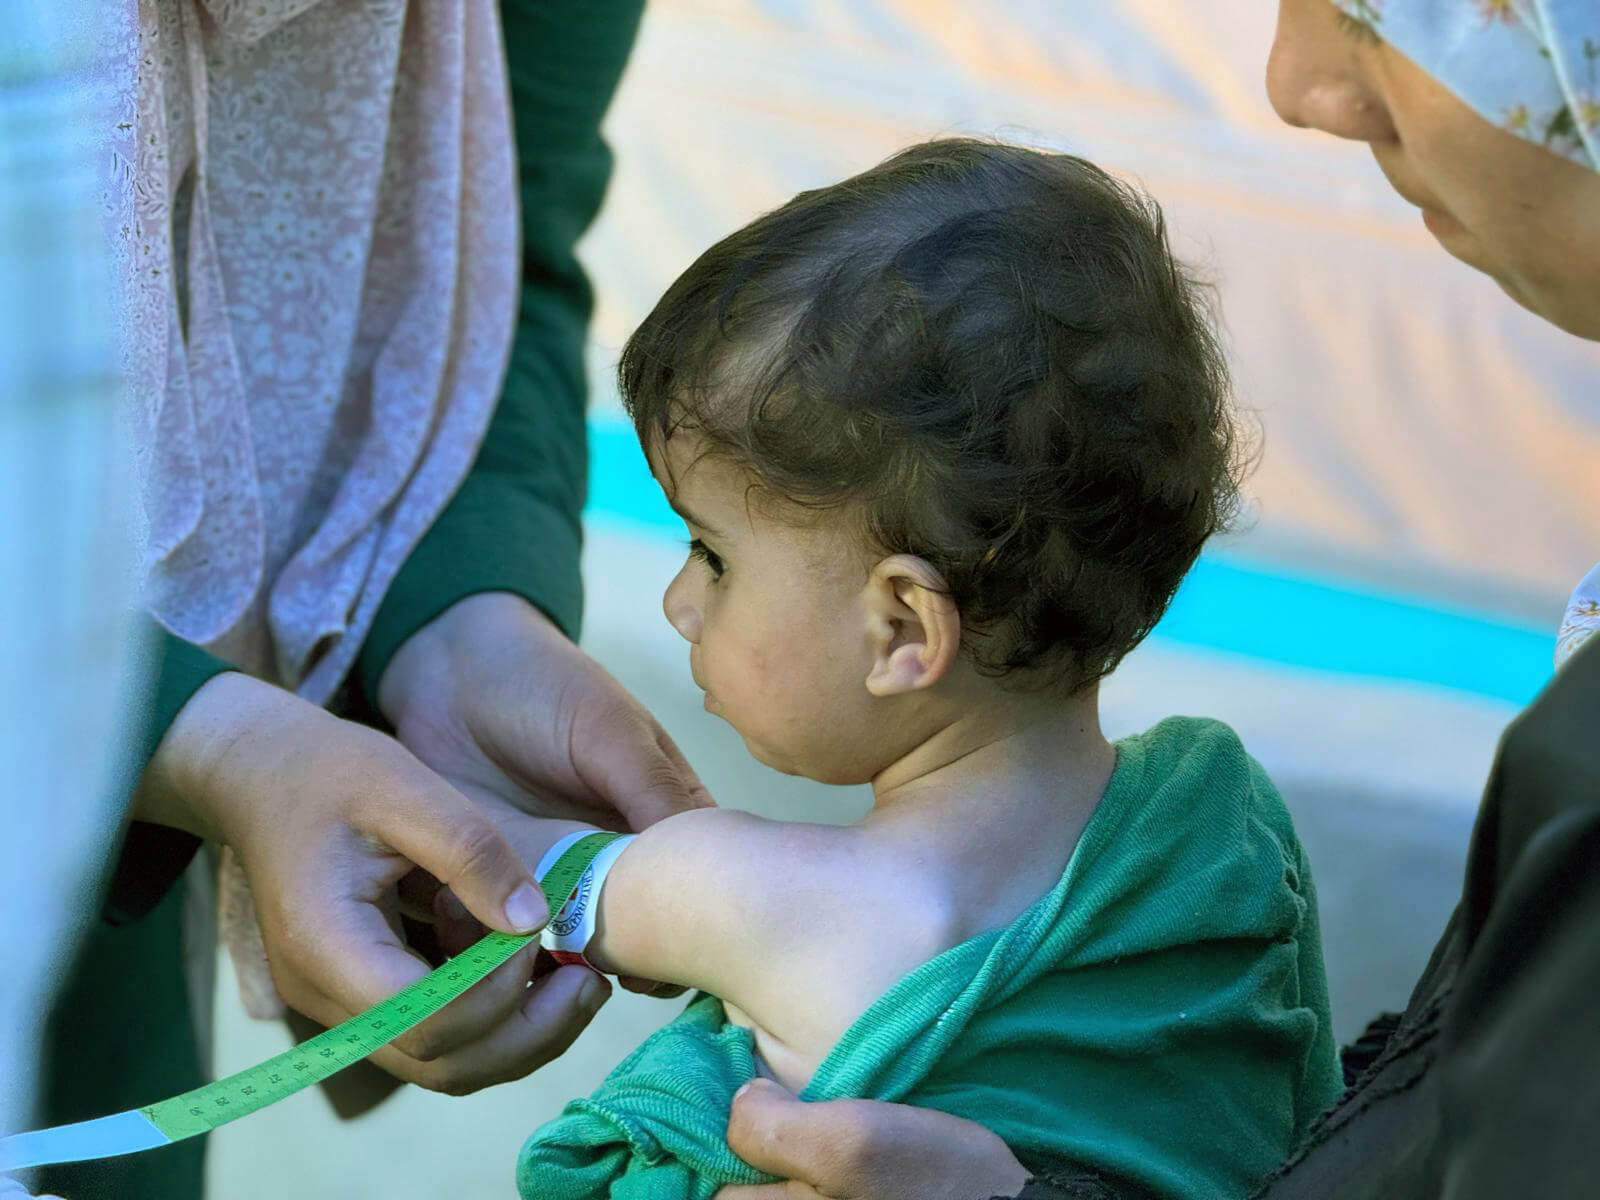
<point>205,1108</point>
<point>325,816</point>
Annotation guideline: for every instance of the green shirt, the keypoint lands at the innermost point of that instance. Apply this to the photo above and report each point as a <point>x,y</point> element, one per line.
<point>513,526</point>
<point>1160,1017</point>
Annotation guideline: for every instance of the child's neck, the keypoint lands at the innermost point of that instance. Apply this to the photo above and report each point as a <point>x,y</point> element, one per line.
<point>1006,785</point>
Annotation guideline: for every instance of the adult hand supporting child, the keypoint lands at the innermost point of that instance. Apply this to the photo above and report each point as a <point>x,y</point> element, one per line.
<point>501,704</point>
<point>864,1150</point>
<point>498,701</point>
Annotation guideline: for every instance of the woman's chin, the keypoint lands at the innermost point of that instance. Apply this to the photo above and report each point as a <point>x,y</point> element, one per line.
<point>1581,318</point>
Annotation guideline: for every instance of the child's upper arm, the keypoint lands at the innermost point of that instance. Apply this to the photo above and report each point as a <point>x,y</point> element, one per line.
<point>715,899</point>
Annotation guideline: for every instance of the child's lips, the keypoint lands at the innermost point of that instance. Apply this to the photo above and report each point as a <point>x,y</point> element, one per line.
<point>695,675</point>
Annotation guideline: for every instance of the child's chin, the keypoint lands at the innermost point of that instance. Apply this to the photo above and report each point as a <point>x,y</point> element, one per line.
<point>834,774</point>
<point>762,755</point>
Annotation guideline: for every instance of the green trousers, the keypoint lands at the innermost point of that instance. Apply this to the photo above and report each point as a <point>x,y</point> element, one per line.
<point>121,1035</point>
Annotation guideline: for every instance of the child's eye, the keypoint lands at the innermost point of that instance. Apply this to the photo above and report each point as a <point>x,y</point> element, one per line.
<point>698,549</point>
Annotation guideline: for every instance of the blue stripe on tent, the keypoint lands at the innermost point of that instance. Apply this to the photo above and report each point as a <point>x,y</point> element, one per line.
<point>1225,605</point>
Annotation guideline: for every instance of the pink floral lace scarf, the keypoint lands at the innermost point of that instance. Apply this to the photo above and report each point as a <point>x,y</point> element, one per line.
<point>316,220</point>
<point>320,236</point>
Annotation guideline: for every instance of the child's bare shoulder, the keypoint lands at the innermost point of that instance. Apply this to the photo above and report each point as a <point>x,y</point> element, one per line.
<point>774,885</point>
<point>799,926</point>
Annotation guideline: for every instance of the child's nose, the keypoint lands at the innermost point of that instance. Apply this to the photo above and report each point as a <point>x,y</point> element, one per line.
<point>683,612</point>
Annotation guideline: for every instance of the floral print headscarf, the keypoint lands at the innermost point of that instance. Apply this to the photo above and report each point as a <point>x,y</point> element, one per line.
<point>1529,66</point>
<point>1583,618</point>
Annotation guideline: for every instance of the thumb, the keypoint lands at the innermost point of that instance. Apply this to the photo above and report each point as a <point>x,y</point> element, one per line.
<point>630,763</point>
<point>445,834</point>
<point>774,1131</point>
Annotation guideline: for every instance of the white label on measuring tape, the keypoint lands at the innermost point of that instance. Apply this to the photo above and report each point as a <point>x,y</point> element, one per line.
<point>123,1133</point>
<point>570,931</point>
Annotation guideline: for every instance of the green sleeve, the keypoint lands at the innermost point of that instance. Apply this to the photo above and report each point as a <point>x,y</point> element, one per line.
<point>152,857</point>
<point>514,524</point>
<point>181,669</point>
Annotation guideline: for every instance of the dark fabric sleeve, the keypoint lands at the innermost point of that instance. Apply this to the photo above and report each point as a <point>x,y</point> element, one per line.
<point>514,524</point>
<point>1069,1184</point>
<point>1519,1088</point>
<point>153,856</point>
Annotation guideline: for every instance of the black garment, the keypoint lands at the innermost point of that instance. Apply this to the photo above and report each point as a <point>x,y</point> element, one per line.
<point>1070,1184</point>
<point>1488,1086</point>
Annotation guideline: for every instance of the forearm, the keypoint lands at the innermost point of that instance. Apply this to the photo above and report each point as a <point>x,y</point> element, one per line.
<point>178,784</point>
<point>422,664</point>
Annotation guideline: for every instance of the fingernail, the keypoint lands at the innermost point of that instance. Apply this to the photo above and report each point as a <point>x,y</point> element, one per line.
<point>525,910</point>
<point>745,1087</point>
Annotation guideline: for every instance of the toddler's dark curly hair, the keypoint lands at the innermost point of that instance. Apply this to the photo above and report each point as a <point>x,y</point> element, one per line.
<point>990,356</point>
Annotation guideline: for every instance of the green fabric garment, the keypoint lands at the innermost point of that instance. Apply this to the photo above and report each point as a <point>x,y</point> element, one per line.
<point>1160,1016</point>
<point>514,524</point>
<point>152,857</point>
<point>119,1036</point>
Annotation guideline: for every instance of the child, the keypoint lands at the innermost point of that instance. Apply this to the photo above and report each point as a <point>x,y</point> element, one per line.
<point>947,436</point>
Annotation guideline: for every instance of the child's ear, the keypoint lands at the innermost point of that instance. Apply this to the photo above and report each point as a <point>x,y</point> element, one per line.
<point>913,623</point>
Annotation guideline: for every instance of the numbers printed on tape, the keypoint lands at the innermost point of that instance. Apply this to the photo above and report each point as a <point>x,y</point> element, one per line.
<point>264,1084</point>
<point>257,1087</point>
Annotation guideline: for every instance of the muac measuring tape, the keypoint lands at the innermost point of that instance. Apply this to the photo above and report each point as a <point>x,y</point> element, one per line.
<point>205,1108</point>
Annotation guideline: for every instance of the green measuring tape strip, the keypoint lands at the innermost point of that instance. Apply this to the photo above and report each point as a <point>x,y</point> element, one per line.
<point>312,1061</point>
<point>205,1108</point>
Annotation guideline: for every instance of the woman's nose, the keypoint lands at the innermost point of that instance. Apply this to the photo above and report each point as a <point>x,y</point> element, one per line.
<point>1319,77</point>
<point>682,607</point>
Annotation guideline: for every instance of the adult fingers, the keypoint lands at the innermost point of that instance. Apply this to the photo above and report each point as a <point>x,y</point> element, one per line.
<point>478,1013</point>
<point>628,760</point>
<point>553,1013</point>
<point>337,953</point>
<point>443,832</point>
<point>455,927</point>
<point>788,1190</point>
<point>821,1145</point>
<point>867,1150</point>
<point>417,894</point>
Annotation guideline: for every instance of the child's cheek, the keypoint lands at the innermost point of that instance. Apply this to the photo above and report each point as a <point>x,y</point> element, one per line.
<point>758,667</point>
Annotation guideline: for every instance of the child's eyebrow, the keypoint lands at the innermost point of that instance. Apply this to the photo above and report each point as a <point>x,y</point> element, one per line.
<point>690,517</point>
